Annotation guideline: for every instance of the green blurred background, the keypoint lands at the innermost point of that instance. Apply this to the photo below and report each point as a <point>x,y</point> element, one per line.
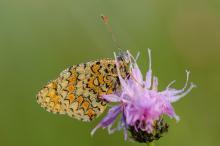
<point>40,38</point>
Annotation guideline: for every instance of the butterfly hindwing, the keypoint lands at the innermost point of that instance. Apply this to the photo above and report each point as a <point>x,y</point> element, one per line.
<point>78,90</point>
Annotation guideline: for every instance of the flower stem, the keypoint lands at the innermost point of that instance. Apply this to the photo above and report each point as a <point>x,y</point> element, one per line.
<point>151,144</point>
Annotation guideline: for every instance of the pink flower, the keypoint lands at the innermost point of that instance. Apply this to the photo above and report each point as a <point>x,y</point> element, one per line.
<point>140,104</point>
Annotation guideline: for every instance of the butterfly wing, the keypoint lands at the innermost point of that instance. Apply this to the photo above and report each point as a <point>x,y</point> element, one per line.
<point>77,91</point>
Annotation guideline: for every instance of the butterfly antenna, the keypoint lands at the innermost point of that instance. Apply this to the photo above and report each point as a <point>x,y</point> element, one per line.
<point>109,28</point>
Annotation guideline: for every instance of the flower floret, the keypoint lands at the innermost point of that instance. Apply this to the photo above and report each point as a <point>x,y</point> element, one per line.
<point>140,104</point>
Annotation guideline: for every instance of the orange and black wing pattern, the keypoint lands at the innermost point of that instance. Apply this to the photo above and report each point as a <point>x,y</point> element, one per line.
<point>78,90</point>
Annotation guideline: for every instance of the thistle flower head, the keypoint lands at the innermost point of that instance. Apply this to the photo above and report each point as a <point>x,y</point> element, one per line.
<point>140,104</point>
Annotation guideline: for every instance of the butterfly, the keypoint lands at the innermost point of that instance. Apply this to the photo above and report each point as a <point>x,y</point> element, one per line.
<point>78,90</point>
